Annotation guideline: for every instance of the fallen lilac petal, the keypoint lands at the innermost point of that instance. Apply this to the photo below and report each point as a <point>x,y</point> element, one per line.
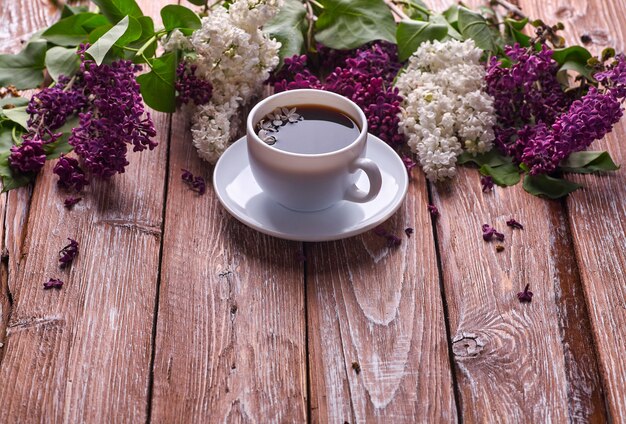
<point>68,253</point>
<point>489,233</point>
<point>380,231</point>
<point>487,183</point>
<point>71,201</point>
<point>52,283</point>
<point>408,231</point>
<point>434,212</point>
<point>514,224</point>
<point>526,295</point>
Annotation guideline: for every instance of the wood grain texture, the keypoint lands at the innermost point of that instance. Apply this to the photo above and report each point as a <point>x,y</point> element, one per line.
<point>513,361</point>
<point>508,356</point>
<point>21,18</point>
<point>596,214</point>
<point>380,308</point>
<point>64,350</point>
<point>230,343</point>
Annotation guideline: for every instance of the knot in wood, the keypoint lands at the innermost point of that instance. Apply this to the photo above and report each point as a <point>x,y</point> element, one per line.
<point>467,345</point>
<point>564,12</point>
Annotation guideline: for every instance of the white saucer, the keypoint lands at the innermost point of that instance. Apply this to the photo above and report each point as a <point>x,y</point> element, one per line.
<point>243,198</point>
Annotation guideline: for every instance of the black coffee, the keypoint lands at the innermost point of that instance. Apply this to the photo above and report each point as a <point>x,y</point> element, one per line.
<point>308,129</point>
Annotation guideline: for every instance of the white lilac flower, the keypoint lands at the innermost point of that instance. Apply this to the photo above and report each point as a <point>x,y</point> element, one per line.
<point>253,14</point>
<point>445,109</point>
<point>177,41</point>
<point>212,128</point>
<point>290,115</point>
<point>236,57</point>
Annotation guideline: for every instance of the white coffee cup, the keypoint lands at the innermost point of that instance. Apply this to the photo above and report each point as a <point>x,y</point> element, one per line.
<point>311,182</point>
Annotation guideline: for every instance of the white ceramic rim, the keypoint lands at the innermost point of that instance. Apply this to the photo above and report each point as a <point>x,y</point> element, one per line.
<point>242,217</point>
<point>363,127</point>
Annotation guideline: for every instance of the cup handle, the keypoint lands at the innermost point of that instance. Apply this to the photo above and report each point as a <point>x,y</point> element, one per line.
<point>355,194</point>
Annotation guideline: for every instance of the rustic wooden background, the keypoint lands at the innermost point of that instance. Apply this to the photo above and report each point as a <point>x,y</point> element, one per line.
<point>175,312</point>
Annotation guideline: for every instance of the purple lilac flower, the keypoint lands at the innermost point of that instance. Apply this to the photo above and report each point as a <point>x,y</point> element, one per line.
<point>614,78</point>
<point>52,283</point>
<point>50,108</point>
<point>191,88</point>
<point>490,233</point>
<point>365,78</point>
<point>434,211</point>
<point>294,75</point>
<point>116,118</point>
<point>487,183</point>
<point>68,253</point>
<point>380,231</point>
<point>187,176</point>
<point>525,93</point>
<point>30,155</point>
<point>409,163</point>
<point>197,184</point>
<point>71,176</point>
<point>588,119</point>
<point>69,202</point>
<point>526,295</point>
<point>392,239</point>
<point>514,224</point>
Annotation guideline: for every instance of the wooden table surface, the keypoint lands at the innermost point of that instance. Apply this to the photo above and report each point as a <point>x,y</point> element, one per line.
<point>176,312</point>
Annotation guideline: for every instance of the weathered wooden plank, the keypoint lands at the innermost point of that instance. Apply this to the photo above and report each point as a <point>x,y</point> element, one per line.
<point>230,343</point>
<point>508,356</point>
<point>379,307</point>
<point>21,18</point>
<point>542,369</point>
<point>596,214</point>
<point>15,18</point>
<point>83,354</point>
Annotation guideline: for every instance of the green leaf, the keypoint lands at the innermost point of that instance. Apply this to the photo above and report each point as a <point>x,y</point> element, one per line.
<point>416,9</point>
<point>452,31</point>
<point>74,29</point>
<point>62,61</point>
<point>147,32</point>
<point>550,187</point>
<point>72,10</point>
<point>588,162</point>
<point>582,69</point>
<point>25,69</point>
<point>473,25</point>
<point>573,58</point>
<point>411,34</point>
<point>514,31</point>
<point>10,178</point>
<point>519,25</point>
<point>175,16</point>
<point>115,10</point>
<point>198,2</point>
<point>288,27</point>
<point>452,15</point>
<point>6,139</point>
<point>17,115</point>
<point>13,102</point>
<point>58,148</point>
<point>348,24</point>
<point>157,86</point>
<point>574,53</point>
<point>491,158</point>
<point>125,31</point>
<point>503,175</point>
